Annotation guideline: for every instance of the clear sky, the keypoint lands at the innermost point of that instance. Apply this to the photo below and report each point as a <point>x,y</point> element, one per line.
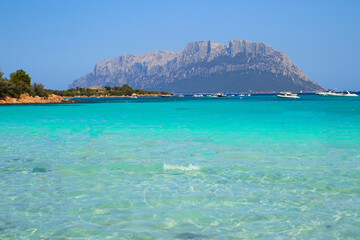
<point>58,41</point>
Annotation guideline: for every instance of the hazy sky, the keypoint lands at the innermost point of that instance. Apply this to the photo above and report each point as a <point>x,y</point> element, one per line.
<point>59,41</point>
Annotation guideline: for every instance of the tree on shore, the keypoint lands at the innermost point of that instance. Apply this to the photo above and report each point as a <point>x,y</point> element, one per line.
<point>38,89</point>
<point>21,82</point>
<point>4,86</point>
<point>7,88</point>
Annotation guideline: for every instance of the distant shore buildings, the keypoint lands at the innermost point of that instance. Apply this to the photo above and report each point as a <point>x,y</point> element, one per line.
<point>96,88</point>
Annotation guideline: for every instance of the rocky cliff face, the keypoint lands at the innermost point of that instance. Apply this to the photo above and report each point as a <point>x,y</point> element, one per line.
<point>204,66</point>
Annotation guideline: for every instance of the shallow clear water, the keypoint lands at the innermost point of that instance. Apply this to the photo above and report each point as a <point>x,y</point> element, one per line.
<point>181,168</point>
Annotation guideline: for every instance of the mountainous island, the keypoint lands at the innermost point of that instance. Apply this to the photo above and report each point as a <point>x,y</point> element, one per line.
<point>206,67</point>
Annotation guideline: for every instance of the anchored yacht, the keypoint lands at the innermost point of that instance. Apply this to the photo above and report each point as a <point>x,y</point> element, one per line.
<point>322,93</point>
<point>288,95</point>
<point>217,95</point>
<point>343,94</point>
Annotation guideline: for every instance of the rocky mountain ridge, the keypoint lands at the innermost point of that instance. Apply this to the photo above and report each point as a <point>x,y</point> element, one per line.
<point>203,66</point>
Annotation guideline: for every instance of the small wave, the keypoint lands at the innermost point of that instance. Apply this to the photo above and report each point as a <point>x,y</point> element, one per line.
<point>182,168</point>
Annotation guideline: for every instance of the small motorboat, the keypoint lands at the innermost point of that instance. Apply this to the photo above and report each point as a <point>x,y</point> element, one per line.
<point>343,94</point>
<point>287,95</point>
<point>217,95</point>
<point>134,95</point>
<point>322,93</point>
<point>198,95</point>
<point>332,93</point>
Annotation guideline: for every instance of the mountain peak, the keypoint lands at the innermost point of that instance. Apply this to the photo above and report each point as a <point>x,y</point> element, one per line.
<point>236,46</point>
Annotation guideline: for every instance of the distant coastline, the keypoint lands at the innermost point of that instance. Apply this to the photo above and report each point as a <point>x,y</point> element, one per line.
<point>51,99</point>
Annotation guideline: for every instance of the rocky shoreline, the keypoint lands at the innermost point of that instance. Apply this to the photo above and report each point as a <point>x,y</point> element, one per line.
<point>119,96</point>
<point>26,99</point>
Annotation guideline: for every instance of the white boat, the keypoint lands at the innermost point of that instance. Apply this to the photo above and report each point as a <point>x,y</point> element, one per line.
<point>332,93</point>
<point>198,95</point>
<point>343,94</point>
<point>241,95</point>
<point>287,95</point>
<point>248,95</point>
<point>322,93</point>
<point>166,95</point>
<point>180,95</point>
<point>217,95</point>
<point>134,95</point>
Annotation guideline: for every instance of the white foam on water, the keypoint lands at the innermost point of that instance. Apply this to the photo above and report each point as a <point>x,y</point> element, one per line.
<point>182,168</point>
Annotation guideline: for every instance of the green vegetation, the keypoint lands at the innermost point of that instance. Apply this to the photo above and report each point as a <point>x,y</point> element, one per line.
<point>20,83</point>
<point>38,89</point>
<point>125,90</point>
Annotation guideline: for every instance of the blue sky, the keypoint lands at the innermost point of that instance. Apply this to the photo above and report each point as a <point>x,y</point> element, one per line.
<point>59,41</point>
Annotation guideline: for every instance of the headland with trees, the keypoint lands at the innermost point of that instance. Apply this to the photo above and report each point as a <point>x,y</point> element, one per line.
<point>19,90</point>
<point>107,91</point>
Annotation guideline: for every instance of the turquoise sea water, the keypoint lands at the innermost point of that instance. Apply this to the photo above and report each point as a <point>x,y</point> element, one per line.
<point>181,168</point>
